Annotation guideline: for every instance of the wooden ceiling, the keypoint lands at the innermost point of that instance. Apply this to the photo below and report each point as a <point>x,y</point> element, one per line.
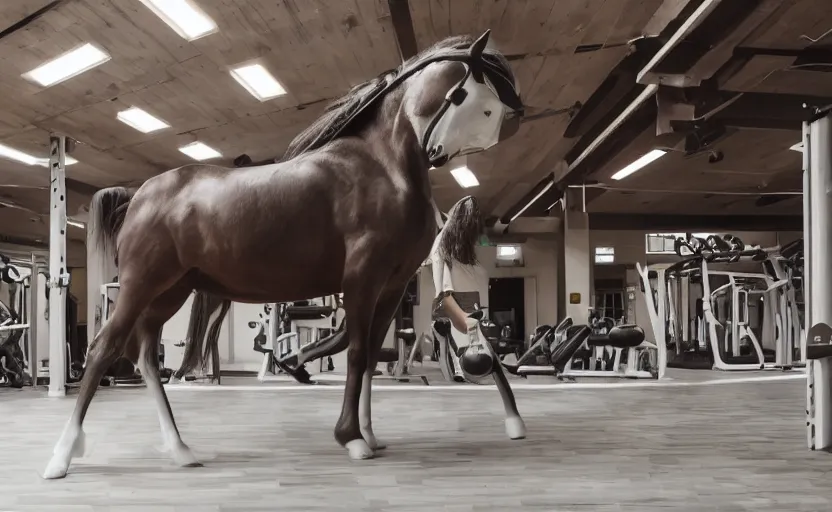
<point>562,52</point>
<point>728,131</point>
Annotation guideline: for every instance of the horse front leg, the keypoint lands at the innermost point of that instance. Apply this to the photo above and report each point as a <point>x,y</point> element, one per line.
<point>361,295</point>
<point>386,308</point>
<point>515,426</point>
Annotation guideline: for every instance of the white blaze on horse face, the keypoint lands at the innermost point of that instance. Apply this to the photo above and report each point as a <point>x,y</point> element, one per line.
<point>472,126</point>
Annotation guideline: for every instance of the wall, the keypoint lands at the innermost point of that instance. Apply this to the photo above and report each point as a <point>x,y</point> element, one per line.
<point>630,246</point>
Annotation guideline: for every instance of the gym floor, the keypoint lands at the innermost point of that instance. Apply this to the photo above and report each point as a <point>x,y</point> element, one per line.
<point>702,441</point>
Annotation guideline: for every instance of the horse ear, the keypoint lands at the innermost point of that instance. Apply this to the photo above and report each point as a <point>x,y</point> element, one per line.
<point>479,45</point>
<point>476,56</point>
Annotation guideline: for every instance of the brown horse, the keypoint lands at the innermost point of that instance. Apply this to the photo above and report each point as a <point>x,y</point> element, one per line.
<point>349,210</point>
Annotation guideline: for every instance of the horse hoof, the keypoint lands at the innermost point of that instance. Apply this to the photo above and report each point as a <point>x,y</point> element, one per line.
<point>359,449</point>
<point>184,457</point>
<point>55,469</point>
<point>375,443</point>
<point>515,427</point>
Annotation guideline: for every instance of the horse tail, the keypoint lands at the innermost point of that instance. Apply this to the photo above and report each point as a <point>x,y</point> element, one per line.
<point>107,211</point>
<point>198,346</point>
<point>461,233</point>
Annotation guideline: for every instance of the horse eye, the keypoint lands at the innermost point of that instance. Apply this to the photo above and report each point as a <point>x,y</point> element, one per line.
<point>487,113</point>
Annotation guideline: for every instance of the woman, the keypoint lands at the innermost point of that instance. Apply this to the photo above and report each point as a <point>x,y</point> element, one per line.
<point>458,278</point>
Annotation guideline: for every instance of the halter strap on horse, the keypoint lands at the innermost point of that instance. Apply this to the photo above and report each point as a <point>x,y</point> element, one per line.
<point>480,66</point>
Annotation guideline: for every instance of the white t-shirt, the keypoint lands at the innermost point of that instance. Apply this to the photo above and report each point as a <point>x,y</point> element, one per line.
<point>457,278</point>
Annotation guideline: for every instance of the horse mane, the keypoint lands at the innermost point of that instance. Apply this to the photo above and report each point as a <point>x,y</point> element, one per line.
<point>337,120</point>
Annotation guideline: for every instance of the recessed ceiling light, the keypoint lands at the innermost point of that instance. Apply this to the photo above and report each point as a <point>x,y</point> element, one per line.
<point>258,81</point>
<point>465,177</point>
<point>141,120</point>
<point>797,147</point>
<point>638,164</point>
<point>183,16</point>
<point>68,65</point>
<point>199,151</point>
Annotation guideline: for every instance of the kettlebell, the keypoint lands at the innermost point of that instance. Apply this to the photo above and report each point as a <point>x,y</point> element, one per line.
<point>476,362</point>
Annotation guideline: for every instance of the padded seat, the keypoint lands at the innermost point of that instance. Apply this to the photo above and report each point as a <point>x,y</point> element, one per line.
<point>621,336</point>
<point>308,312</point>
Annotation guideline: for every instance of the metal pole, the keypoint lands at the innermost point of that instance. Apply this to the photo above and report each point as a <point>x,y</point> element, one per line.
<point>818,148</point>
<point>58,274</point>
<point>34,301</point>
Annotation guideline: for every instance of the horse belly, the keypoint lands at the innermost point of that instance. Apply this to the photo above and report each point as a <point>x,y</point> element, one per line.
<point>250,268</point>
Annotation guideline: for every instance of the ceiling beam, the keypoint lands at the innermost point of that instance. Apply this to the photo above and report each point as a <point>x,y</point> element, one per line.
<point>31,18</point>
<point>79,187</point>
<point>403,27</point>
<point>665,222</point>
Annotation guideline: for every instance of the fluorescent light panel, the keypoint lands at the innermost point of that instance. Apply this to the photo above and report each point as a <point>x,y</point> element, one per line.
<point>465,177</point>
<point>199,151</point>
<point>18,156</point>
<point>534,200</point>
<point>183,16</point>
<point>638,164</point>
<point>141,120</point>
<point>68,65</point>
<point>25,158</point>
<point>258,81</point>
<point>68,160</point>
<point>76,224</point>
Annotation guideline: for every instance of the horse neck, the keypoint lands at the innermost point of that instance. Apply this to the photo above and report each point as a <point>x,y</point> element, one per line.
<point>395,142</point>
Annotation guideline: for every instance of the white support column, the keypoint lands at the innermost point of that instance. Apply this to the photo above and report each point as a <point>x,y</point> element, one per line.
<point>577,259</point>
<point>58,273</point>
<point>34,300</point>
<point>817,152</point>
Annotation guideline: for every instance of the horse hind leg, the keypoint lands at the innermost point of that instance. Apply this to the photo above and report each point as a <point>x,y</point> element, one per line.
<point>148,331</point>
<point>108,345</point>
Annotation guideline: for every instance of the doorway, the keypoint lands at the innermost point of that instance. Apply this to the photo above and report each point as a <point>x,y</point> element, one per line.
<point>507,305</point>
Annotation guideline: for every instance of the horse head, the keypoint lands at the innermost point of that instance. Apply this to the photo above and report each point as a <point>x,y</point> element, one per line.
<point>462,100</point>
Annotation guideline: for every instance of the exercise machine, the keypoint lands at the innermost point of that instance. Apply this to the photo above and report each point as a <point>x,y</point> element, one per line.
<point>13,362</point>
<point>626,354</point>
<point>278,337</point>
<point>725,319</point>
<point>595,349</point>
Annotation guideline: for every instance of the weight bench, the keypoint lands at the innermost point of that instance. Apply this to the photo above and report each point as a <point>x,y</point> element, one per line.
<point>628,337</point>
<point>276,347</point>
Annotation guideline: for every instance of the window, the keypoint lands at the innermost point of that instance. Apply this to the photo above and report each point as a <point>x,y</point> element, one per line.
<point>509,256</point>
<point>665,243</point>
<point>604,254</point>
